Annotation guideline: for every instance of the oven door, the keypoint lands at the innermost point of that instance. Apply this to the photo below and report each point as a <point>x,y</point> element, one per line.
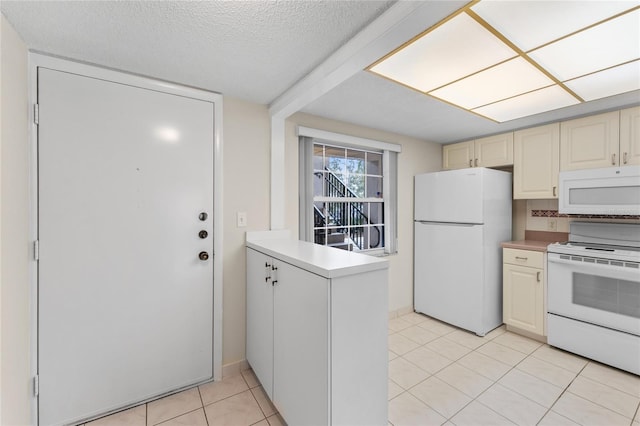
<point>602,293</point>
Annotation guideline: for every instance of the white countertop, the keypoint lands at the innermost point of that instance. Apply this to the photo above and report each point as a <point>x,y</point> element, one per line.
<point>321,260</point>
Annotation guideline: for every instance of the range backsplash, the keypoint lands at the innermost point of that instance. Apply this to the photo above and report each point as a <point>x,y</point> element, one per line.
<point>542,215</point>
<point>554,213</point>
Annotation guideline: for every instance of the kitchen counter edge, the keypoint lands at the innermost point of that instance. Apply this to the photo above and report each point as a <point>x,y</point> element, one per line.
<point>531,245</point>
<point>321,260</point>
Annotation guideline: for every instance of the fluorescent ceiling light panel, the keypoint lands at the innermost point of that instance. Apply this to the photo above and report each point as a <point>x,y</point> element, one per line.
<point>456,49</point>
<point>530,24</point>
<point>613,81</point>
<point>612,43</point>
<point>542,100</point>
<point>508,79</point>
<point>564,53</point>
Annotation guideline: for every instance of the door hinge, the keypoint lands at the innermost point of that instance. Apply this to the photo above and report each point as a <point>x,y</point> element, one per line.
<point>36,250</point>
<point>36,114</point>
<point>36,385</point>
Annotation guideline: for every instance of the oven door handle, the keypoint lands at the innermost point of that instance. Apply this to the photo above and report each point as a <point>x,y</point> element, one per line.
<point>612,270</point>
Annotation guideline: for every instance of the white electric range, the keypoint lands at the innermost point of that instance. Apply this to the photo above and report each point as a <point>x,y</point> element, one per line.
<point>594,293</point>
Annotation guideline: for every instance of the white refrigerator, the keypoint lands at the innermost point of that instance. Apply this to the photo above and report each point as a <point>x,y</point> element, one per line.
<point>461,217</point>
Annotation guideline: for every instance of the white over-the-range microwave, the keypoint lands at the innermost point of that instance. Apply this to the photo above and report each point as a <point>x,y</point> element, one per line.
<point>606,191</point>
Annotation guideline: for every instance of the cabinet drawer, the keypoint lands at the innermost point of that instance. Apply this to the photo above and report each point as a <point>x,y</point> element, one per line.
<point>533,259</point>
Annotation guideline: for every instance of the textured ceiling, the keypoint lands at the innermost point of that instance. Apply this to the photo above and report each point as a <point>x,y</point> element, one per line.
<point>253,50</point>
<point>256,50</point>
<point>371,101</point>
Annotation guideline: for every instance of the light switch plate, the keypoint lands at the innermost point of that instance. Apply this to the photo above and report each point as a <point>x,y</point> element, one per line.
<point>242,219</point>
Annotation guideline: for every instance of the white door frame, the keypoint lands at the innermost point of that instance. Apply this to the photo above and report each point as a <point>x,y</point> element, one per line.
<point>40,60</point>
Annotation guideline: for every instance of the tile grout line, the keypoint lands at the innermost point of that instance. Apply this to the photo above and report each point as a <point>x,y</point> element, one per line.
<point>565,390</point>
<point>480,394</point>
<point>494,381</point>
<point>471,350</point>
<point>527,355</point>
<point>179,415</point>
<point>206,419</point>
<point>606,384</point>
<point>256,399</point>
<point>226,397</point>
<point>594,402</point>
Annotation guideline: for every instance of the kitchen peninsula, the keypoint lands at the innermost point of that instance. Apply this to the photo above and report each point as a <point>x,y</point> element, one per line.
<point>317,330</point>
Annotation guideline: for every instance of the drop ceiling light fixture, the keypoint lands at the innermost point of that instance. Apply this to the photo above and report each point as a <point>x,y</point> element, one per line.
<point>510,59</point>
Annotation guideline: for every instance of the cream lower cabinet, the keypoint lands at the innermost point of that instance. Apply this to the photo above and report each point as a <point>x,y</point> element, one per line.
<point>318,344</point>
<point>536,153</point>
<point>524,290</point>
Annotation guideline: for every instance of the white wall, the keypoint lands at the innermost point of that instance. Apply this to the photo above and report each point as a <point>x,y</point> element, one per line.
<point>246,136</point>
<point>417,156</point>
<point>15,387</point>
<point>246,133</point>
<point>247,185</point>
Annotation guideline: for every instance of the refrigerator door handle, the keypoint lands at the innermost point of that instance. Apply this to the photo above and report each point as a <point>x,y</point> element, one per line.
<point>428,222</point>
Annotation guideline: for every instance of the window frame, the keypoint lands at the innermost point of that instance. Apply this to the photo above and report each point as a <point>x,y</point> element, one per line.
<point>389,151</point>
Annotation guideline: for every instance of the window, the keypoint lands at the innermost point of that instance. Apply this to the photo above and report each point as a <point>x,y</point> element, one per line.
<point>347,192</point>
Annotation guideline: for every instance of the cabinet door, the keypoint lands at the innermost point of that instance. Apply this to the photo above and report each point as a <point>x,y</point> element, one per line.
<point>630,136</point>
<point>301,346</point>
<point>260,318</point>
<point>590,142</point>
<point>536,157</point>
<point>457,155</point>
<point>494,151</point>
<point>523,298</point>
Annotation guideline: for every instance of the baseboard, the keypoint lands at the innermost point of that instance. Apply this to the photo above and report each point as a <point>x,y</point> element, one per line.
<point>399,312</point>
<point>526,333</point>
<point>234,368</point>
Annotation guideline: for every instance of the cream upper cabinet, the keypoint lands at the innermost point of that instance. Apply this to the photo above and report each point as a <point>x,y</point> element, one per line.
<point>536,162</point>
<point>524,291</point>
<point>491,151</point>
<point>630,136</point>
<point>457,155</point>
<point>590,142</point>
<point>494,151</point>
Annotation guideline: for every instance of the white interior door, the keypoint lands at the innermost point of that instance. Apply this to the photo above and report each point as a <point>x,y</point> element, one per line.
<point>125,309</point>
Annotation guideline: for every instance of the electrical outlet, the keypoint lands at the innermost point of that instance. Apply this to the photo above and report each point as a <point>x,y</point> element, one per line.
<point>552,224</point>
<point>242,219</point>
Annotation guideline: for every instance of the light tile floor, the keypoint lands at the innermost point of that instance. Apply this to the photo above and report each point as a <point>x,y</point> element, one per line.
<point>438,375</point>
<point>237,400</point>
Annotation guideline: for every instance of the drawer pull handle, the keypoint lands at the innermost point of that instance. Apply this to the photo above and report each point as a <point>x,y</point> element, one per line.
<point>613,159</point>
<point>624,158</point>
<point>538,276</point>
<point>521,258</point>
<point>554,192</point>
<point>470,163</point>
<point>476,162</point>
